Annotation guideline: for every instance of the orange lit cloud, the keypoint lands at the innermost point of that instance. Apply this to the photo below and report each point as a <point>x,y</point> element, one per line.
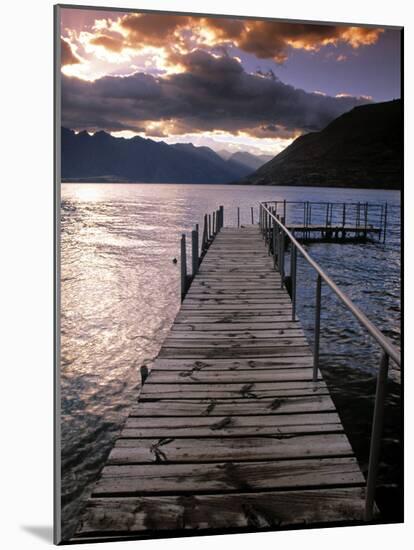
<point>181,34</point>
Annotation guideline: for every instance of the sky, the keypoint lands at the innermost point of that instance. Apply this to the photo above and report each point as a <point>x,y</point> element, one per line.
<point>228,83</point>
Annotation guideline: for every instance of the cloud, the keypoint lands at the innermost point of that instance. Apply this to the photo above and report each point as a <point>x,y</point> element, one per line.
<point>212,94</point>
<point>111,43</point>
<point>263,38</point>
<point>68,57</point>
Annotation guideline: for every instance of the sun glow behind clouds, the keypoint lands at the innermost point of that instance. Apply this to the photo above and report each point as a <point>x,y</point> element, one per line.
<point>219,141</point>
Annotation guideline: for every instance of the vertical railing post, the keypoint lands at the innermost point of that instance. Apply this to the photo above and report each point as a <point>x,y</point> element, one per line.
<point>377,426</point>
<point>183,267</point>
<point>293,256</point>
<point>205,238</point>
<point>214,224</point>
<point>260,218</point>
<point>317,330</point>
<point>284,209</point>
<point>194,251</point>
<point>238,216</point>
<point>365,219</point>
<point>221,210</point>
<point>282,254</point>
<point>251,210</point>
<point>209,228</point>
<point>274,242</point>
<point>380,222</point>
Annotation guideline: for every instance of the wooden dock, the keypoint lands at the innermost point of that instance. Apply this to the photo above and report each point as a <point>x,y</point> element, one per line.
<point>230,432</point>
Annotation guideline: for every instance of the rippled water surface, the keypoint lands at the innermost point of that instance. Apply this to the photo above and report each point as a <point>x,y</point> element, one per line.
<point>120,294</point>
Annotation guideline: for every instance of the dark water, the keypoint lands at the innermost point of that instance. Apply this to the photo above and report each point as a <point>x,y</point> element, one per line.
<point>120,294</point>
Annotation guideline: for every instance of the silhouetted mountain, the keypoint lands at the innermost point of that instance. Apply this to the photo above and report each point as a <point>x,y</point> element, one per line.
<point>361,148</point>
<point>102,157</point>
<point>251,161</point>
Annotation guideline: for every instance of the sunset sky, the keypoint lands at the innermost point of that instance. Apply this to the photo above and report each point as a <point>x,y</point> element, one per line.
<point>235,84</point>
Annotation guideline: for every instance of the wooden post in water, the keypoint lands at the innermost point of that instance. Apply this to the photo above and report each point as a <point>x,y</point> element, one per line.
<point>343,221</point>
<point>204,240</point>
<point>385,220</point>
<point>183,267</point>
<point>194,251</point>
<point>365,220</point>
<point>238,216</point>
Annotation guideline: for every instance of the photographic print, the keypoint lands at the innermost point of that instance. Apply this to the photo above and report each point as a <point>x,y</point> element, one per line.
<point>228,232</point>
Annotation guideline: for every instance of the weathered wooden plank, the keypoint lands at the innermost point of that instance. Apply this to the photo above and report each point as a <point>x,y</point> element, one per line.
<point>235,328</point>
<point>238,301</point>
<point>249,390</point>
<point>280,362</point>
<point>204,353</point>
<point>229,376</point>
<point>233,343</point>
<point>245,335</point>
<point>229,426</point>
<point>275,308</point>
<point>218,425</point>
<point>170,408</point>
<point>227,477</point>
<point>232,318</point>
<point>242,449</point>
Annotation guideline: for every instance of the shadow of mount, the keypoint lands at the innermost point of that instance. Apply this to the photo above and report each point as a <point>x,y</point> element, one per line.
<point>361,148</point>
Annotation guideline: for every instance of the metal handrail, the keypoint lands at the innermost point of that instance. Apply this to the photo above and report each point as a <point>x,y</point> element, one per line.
<point>274,230</point>
<point>382,340</point>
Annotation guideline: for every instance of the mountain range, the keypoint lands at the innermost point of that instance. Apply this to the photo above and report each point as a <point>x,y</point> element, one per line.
<point>361,148</point>
<point>103,158</point>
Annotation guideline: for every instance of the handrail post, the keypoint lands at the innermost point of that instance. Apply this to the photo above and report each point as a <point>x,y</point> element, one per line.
<point>377,425</point>
<point>282,255</point>
<point>209,228</point>
<point>214,224</point>
<point>205,238</point>
<point>251,210</point>
<point>293,255</point>
<point>238,216</point>
<point>274,242</point>
<point>194,250</point>
<point>183,267</point>
<point>221,210</point>
<point>317,331</point>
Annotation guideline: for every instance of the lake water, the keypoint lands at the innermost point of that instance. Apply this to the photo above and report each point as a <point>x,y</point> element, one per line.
<point>120,294</point>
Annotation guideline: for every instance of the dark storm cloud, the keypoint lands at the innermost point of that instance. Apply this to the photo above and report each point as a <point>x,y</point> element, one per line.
<point>214,93</point>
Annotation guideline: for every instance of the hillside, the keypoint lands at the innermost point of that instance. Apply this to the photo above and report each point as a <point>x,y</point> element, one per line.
<point>361,148</point>
<point>102,157</point>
